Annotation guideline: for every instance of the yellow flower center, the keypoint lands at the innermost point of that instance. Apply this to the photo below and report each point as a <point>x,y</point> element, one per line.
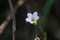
<point>34,20</point>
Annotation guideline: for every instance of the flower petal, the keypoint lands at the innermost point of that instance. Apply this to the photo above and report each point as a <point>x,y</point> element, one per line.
<point>35,13</point>
<point>27,19</point>
<point>31,22</point>
<point>29,15</point>
<point>36,17</point>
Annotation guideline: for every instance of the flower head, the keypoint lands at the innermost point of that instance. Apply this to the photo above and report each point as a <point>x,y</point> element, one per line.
<point>32,18</point>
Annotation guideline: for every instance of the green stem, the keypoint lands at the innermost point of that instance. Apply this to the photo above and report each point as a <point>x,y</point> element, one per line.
<point>34,33</point>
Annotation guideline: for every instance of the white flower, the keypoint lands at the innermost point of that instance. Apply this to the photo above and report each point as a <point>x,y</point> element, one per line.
<point>32,18</point>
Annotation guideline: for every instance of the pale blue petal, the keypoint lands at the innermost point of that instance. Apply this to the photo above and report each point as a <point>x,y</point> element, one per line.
<point>35,13</point>
<point>27,19</point>
<point>36,17</point>
<point>31,22</point>
<point>29,15</point>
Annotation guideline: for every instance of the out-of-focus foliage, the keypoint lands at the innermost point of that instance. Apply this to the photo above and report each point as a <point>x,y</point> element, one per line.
<point>7,33</point>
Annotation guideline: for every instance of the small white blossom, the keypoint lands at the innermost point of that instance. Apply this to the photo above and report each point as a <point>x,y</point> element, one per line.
<point>32,18</point>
